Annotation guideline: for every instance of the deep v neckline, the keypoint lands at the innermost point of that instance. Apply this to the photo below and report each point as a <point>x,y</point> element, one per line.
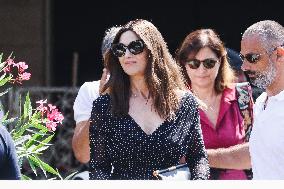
<point>211,124</point>
<point>140,128</point>
<point>160,126</point>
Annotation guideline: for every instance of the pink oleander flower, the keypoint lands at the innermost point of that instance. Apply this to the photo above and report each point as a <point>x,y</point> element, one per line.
<point>16,70</point>
<point>41,102</point>
<point>59,118</point>
<point>10,61</point>
<point>22,66</point>
<point>7,69</point>
<point>53,116</point>
<point>41,106</point>
<point>51,126</point>
<point>51,107</point>
<point>25,76</point>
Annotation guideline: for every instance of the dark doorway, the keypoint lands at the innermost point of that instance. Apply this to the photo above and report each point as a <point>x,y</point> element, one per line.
<point>78,26</point>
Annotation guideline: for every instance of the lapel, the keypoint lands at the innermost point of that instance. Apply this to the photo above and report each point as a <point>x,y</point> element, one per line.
<point>228,96</point>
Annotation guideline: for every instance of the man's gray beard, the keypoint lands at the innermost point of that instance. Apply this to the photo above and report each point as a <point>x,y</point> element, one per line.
<point>264,79</point>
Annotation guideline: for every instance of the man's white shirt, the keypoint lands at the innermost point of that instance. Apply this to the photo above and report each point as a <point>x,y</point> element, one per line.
<point>267,138</point>
<point>83,104</point>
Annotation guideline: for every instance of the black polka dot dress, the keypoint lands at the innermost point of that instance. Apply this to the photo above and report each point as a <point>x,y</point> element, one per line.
<point>121,150</point>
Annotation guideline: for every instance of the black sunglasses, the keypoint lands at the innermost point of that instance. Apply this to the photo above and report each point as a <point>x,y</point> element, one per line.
<point>254,57</point>
<point>251,57</point>
<point>207,63</point>
<point>135,47</point>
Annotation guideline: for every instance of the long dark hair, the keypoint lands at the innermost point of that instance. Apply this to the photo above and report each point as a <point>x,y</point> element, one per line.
<point>199,39</point>
<point>162,75</point>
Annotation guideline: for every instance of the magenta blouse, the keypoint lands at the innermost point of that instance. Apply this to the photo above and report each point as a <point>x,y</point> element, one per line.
<point>229,130</point>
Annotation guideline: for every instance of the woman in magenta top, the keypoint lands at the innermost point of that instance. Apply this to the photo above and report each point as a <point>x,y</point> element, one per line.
<point>203,59</point>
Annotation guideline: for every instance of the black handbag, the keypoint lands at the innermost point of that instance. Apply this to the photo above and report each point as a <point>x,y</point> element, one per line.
<point>178,172</point>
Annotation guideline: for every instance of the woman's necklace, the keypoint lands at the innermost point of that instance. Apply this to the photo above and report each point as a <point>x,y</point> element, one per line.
<point>146,98</point>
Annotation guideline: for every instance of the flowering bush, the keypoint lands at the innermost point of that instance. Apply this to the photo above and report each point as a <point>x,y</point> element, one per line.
<point>34,128</point>
<point>11,72</point>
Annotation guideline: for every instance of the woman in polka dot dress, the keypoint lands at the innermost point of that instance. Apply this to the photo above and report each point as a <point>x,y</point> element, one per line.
<point>147,121</point>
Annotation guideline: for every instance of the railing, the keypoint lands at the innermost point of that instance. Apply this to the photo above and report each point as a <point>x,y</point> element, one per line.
<point>60,155</point>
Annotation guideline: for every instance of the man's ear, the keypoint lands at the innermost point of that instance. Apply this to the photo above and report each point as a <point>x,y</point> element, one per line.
<point>280,54</point>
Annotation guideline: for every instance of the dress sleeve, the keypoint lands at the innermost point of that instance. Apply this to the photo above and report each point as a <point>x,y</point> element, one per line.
<point>82,107</point>
<point>100,165</point>
<point>197,156</point>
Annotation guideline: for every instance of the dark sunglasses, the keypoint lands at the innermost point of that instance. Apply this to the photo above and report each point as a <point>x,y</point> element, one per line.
<point>251,57</point>
<point>207,63</point>
<point>135,47</point>
<point>254,57</point>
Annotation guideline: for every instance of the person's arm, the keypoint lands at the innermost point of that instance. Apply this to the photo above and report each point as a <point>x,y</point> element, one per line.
<point>234,157</point>
<point>82,112</point>
<point>80,142</point>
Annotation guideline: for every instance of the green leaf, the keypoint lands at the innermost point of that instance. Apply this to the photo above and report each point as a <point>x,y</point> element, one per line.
<point>10,56</point>
<point>6,91</point>
<point>9,121</point>
<point>58,174</point>
<point>3,76</point>
<point>3,80</point>
<point>36,115</point>
<point>6,122</point>
<point>20,130</point>
<point>4,119</point>
<point>20,122</point>
<point>32,141</point>
<point>27,107</point>
<point>2,64</point>
<point>21,139</point>
<point>41,127</point>
<point>44,142</point>
<point>44,166</point>
<point>34,138</point>
<point>43,148</point>
<point>70,176</point>
<point>24,177</point>
<point>32,166</point>
<point>36,162</point>
<point>35,131</point>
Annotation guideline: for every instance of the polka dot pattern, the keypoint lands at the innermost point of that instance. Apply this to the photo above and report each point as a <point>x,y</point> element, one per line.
<point>119,143</point>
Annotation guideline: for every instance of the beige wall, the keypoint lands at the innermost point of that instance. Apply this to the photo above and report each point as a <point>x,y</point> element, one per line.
<point>23,31</point>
